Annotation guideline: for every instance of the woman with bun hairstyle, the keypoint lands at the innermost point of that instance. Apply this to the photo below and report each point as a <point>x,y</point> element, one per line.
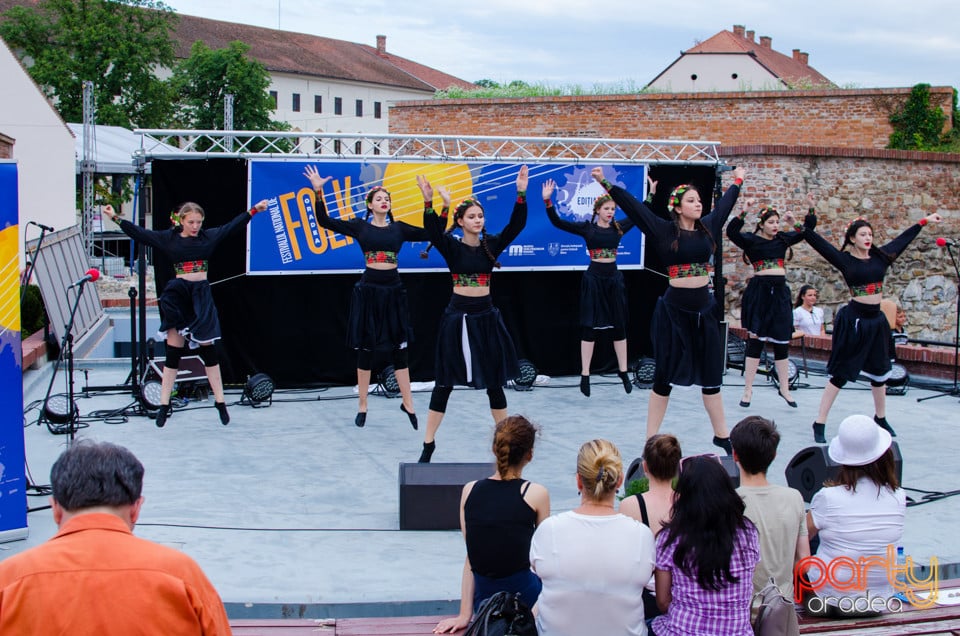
<point>603,295</point>
<point>861,333</point>
<point>498,516</point>
<point>474,347</point>
<point>188,315</point>
<point>379,320</point>
<point>765,308</point>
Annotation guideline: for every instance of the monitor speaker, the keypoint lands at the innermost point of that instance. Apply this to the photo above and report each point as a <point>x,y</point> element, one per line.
<point>430,493</point>
<point>812,466</point>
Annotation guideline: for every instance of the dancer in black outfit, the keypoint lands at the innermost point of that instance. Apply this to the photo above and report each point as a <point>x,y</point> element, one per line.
<point>765,310</point>
<point>603,295</point>
<point>378,309</point>
<point>474,347</point>
<point>187,312</point>
<point>861,333</point>
<point>687,341</point>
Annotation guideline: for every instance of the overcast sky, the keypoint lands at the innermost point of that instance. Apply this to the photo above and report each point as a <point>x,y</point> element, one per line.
<point>856,44</point>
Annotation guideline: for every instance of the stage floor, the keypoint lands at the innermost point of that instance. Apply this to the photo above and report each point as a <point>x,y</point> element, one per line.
<point>293,511</point>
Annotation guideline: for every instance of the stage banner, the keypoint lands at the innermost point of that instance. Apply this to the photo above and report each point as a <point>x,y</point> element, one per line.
<point>13,486</point>
<point>287,239</point>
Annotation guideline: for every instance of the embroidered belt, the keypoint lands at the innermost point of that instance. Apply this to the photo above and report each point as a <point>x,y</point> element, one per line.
<point>389,258</point>
<point>471,280</point>
<point>761,265</point>
<point>867,290</point>
<point>189,267</point>
<point>688,270</point>
<point>603,252</point>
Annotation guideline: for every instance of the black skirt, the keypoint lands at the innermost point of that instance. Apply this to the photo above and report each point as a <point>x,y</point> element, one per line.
<point>861,343</point>
<point>474,347</point>
<point>603,297</point>
<point>379,317</point>
<point>687,340</point>
<point>766,311</point>
<point>187,306</point>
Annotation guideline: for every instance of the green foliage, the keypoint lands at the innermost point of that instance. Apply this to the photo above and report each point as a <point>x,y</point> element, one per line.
<point>115,44</point>
<point>636,487</point>
<point>917,125</point>
<point>202,81</point>
<point>33,315</point>
<point>519,88</point>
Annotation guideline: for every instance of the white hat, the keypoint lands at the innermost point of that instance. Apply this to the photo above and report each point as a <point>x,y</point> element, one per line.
<point>860,442</point>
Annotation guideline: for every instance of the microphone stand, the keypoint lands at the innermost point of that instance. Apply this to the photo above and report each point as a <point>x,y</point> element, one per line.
<point>953,391</point>
<point>66,351</point>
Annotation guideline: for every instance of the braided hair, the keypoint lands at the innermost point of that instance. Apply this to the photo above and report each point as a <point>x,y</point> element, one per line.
<point>596,210</point>
<point>851,232</point>
<point>674,202</point>
<point>765,214</point>
<point>513,441</point>
<point>458,213</point>
<point>369,202</point>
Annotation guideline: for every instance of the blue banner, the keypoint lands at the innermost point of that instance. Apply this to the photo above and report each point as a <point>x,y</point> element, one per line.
<point>287,239</point>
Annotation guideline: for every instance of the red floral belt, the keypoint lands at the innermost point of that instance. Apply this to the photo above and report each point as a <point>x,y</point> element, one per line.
<point>471,280</point>
<point>688,270</point>
<point>189,267</point>
<point>761,265</point>
<point>603,252</point>
<point>867,290</point>
<point>381,257</point>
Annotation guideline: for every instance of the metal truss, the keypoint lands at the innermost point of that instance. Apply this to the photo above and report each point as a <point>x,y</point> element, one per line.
<point>187,144</point>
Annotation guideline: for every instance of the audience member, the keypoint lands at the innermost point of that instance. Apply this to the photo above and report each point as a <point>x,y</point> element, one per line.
<point>497,517</point>
<point>808,319</point>
<point>776,511</point>
<point>94,576</point>
<point>593,561</point>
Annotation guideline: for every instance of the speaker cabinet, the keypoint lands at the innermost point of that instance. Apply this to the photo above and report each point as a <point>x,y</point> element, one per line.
<point>812,466</point>
<point>635,470</point>
<point>430,493</point>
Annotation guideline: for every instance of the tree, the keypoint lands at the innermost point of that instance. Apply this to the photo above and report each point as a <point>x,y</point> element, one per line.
<point>917,125</point>
<point>116,44</point>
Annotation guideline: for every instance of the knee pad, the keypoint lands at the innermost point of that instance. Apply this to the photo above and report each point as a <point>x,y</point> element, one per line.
<point>754,348</point>
<point>663,390</point>
<point>875,383</point>
<point>588,334</point>
<point>837,382</point>
<point>439,397</point>
<point>713,390</point>
<point>173,355</point>
<point>364,359</point>
<point>619,333</point>
<point>781,351</point>
<point>497,399</point>
<point>401,360</point>
<point>209,355</point>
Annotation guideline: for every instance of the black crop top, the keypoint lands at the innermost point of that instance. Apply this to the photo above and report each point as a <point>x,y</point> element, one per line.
<point>463,259</point>
<point>693,246</point>
<point>763,253</point>
<point>180,249</point>
<point>864,276</point>
<point>596,237</point>
<point>371,238</point>
<point>498,525</point>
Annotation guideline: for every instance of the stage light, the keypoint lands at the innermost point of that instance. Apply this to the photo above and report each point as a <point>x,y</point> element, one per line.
<point>259,389</point>
<point>643,373</point>
<point>528,375</point>
<point>899,380</point>
<point>150,392</point>
<point>388,382</point>
<point>59,410</point>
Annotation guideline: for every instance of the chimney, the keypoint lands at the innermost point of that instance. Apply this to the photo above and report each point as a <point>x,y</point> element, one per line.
<point>796,55</point>
<point>738,29</point>
<point>766,41</point>
<point>381,44</point>
<point>805,59</point>
<point>750,35</point>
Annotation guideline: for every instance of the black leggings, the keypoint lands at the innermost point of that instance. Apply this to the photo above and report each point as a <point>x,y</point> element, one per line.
<point>440,395</point>
<point>781,350</point>
<point>663,390</point>
<point>589,334</point>
<point>365,359</point>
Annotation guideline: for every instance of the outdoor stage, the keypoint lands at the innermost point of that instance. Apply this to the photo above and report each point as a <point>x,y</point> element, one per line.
<point>292,511</point>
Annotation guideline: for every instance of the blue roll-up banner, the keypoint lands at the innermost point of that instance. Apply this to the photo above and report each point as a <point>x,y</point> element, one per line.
<point>287,239</point>
<point>13,481</point>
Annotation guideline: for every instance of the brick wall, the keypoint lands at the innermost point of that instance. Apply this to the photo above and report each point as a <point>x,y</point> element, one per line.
<point>835,118</point>
<point>6,147</point>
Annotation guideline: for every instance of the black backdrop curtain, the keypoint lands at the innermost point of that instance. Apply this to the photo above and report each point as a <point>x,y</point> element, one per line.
<point>293,327</point>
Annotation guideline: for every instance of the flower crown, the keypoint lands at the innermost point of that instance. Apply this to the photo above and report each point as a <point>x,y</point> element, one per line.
<point>859,219</point>
<point>677,193</point>
<point>467,203</point>
<point>373,191</point>
<point>767,211</point>
<point>600,201</point>
<point>175,218</point>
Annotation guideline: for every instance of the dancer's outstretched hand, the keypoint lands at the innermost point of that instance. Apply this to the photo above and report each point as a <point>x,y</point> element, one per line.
<point>425,188</point>
<point>523,177</point>
<point>310,172</point>
<point>548,187</point>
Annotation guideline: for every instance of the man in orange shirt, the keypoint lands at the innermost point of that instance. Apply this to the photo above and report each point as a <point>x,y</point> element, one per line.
<point>94,576</point>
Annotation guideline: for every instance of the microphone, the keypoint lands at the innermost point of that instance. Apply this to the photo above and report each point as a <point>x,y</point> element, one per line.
<point>45,228</point>
<point>943,242</point>
<point>92,275</point>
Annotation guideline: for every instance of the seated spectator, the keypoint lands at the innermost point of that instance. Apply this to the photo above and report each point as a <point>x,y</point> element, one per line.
<point>808,319</point>
<point>857,515</point>
<point>497,517</point>
<point>593,561</point>
<point>776,511</point>
<point>899,330</point>
<point>706,555</point>
<point>94,576</point>
<point>661,459</point>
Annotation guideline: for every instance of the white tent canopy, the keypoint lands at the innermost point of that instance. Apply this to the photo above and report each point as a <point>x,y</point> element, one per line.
<point>113,148</point>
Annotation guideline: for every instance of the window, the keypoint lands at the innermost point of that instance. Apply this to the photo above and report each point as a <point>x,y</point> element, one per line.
<point>317,104</point>
<point>336,144</point>
<point>359,108</point>
<point>296,103</point>
<point>337,105</point>
<point>376,148</point>
<point>273,98</point>
<point>358,148</point>
<point>376,110</point>
<point>317,146</point>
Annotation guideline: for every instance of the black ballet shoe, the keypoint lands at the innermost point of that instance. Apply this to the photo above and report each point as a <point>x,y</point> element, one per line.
<point>162,414</point>
<point>745,403</point>
<point>222,409</point>
<point>427,452</point>
<point>819,433</point>
<point>360,419</point>
<point>790,403</point>
<point>882,423</point>
<point>412,416</point>
<point>585,385</point>
<point>625,378</point>
<point>724,443</point>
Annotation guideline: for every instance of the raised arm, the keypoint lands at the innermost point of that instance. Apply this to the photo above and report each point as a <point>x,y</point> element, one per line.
<point>518,218</point>
<point>218,234</point>
<point>137,233</point>
<point>637,211</point>
<point>547,192</point>
<point>320,207</point>
<point>435,226</point>
<point>820,244</point>
<point>735,227</point>
<point>895,247</point>
<point>719,214</point>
